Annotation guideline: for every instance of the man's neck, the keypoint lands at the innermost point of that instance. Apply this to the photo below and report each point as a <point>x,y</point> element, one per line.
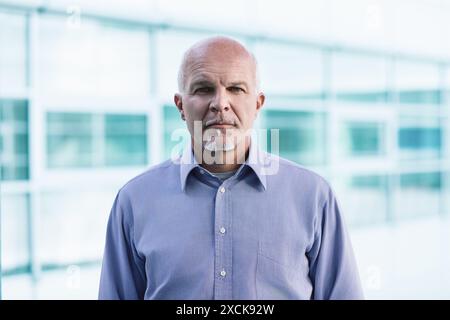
<point>230,160</point>
<point>221,167</point>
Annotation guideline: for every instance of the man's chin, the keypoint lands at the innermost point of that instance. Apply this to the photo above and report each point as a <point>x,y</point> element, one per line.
<point>219,147</point>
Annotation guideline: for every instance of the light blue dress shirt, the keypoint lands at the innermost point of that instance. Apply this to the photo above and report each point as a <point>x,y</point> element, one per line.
<point>271,231</point>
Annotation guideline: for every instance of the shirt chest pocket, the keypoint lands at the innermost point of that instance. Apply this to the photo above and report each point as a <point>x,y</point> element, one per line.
<point>281,273</point>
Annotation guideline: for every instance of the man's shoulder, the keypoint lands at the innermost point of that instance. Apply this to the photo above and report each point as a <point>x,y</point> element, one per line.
<point>298,174</point>
<point>288,167</point>
<point>302,183</point>
<point>153,176</point>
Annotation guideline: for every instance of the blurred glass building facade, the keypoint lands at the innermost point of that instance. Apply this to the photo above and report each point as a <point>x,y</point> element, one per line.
<point>86,103</point>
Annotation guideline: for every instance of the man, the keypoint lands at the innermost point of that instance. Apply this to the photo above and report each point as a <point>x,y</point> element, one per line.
<point>220,222</point>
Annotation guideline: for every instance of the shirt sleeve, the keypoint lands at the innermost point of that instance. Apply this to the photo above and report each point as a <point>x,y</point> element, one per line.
<point>333,269</point>
<point>123,270</point>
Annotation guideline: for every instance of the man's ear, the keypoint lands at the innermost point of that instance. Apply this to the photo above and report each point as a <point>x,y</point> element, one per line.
<point>177,98</point>
<point>259,102</point>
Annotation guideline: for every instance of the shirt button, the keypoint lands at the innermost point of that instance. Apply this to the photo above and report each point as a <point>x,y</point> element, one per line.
<point>222,230</point>
<point>223,273</point>
<point>222,190</point>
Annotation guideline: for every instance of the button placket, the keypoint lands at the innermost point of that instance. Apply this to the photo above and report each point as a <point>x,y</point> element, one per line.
<point>223,247</point>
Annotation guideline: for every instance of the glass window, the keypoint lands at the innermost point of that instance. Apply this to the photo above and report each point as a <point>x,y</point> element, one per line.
<point>207,14</point>
<point>70,230</point>
<point>93,59</point>
<point>358,191</point>
<point>172,125</point>
<point>12,53</point>
<point>90,140</point>
<point>419,195</point>
<point>447,86</point>
<point>126,139</point>
<point>302,135</point>
<point>417,83</point>
<point>14,140</point>
<point>363,139</point>
<point>14,231</point>
<point>419,138</point>
<point>289,70</point>
<point>445,193</point>
<point>69,139</point>
<point>358,78</point>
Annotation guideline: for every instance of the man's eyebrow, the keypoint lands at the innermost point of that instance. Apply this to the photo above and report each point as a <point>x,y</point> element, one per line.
<point>238,83</point>
<point>200,82</point>
<point>206,82</point>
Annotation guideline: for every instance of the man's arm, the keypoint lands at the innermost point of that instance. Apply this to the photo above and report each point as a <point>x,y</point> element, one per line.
<point>333,268</point>
<point>123,271</point>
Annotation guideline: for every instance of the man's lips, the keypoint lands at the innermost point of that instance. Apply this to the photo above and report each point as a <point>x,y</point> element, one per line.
<point>221,126</point>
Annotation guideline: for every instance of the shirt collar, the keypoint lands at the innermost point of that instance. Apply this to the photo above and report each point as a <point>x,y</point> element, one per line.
<point>257,160</point>
<point>187,164</point>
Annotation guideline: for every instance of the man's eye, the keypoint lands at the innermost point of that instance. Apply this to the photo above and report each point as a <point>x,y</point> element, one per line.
<point>204,90</point>
<point>236,89</point>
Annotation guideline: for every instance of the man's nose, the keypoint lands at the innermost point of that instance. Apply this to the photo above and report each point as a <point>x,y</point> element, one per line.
<point>220,102</point>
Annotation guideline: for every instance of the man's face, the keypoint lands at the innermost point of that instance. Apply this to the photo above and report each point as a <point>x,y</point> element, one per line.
<point>220,93</point>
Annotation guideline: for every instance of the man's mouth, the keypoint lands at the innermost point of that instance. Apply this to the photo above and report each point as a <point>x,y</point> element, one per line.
<point>221,126</point>
<point>219,136</point>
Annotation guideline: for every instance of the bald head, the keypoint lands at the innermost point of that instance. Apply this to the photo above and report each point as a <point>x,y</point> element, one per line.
<point>221,48</point>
